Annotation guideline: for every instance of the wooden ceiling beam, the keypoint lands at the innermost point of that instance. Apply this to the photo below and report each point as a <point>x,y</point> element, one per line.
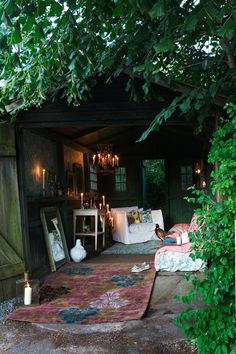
<point>100,135</point>
<point>50,134</point>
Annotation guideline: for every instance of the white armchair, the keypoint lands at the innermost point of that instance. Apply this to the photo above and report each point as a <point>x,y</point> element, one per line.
<point>134,233</point>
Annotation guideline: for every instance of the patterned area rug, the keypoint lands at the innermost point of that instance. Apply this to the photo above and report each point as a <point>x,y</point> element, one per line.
<point>91,293</point>
<point>149,247</point>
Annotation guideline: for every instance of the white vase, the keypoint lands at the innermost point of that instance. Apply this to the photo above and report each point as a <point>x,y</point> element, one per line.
<point>78,252</point>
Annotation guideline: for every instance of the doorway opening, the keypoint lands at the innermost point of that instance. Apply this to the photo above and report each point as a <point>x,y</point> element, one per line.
<point>154,186</point>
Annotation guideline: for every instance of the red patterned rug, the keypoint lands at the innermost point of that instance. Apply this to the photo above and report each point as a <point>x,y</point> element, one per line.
<point>91,293</point>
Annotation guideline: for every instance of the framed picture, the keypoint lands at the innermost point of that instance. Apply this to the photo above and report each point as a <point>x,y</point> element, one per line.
<point>70,182</point>
<point>78,178</point>
<point>54,237</point>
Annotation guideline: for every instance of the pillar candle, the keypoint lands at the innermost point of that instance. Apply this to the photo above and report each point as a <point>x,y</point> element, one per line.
<point>27,294</point>
<point>44,178</point>
<point>81,200</point>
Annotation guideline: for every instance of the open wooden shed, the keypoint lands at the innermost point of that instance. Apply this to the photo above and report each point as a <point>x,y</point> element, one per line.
<point>61,139</point>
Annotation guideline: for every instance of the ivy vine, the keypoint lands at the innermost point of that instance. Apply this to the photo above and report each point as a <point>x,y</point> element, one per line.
<point>212,327</point>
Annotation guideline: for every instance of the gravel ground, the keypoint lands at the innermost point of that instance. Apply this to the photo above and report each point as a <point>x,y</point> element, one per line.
<point>6,307</point>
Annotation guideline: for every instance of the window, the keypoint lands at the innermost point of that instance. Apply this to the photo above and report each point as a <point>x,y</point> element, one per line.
<point>186,173</point>
<point>93,178</point>
<point>120,179</point>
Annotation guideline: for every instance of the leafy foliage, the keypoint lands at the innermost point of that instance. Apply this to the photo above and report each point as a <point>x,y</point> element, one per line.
<point>213,327</point>
<point>155,183</point>
<point>55,46</point>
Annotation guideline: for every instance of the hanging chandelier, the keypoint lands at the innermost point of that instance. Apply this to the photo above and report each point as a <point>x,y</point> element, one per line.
<point>105,159</point>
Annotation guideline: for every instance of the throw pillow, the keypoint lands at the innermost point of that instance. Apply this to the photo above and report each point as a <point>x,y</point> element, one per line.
<point>194,225</point>
<point>179,228</point>
<point>133,217</point>
<point>146,216</point>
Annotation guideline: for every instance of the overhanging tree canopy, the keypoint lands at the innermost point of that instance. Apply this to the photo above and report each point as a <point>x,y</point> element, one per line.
<point>49,46</point>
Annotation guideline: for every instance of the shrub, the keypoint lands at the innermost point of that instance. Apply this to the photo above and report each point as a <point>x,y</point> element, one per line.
<point>212,327</point>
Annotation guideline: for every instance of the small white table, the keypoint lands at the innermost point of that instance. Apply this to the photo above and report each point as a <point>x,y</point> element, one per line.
<point>99,215</point>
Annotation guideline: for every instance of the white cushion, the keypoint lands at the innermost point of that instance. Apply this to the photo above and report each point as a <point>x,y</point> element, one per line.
<point>142,227</point>
<point>123,209</point>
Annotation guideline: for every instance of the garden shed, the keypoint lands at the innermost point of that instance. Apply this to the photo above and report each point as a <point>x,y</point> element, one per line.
<point>61,140</point>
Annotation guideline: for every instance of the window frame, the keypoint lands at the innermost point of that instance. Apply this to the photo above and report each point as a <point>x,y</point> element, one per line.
<point>186,177</point>
<point>123,182</point>
<point>93,178</point>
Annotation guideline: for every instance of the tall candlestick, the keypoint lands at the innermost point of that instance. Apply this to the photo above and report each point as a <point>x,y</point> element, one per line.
<point>27,294</point>
<point>82,200</point>
<point>44,180</point>
<point>94,159</point>
<point>103,200</point>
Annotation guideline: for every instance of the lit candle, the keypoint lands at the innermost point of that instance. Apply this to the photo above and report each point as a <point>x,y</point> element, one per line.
<point>81,200</point>
<point>100,205</point>
<point>103,200</point>
<point>27,294</point>
<point>94,157</point>
<point>44,179</point>
<point>107,208</point>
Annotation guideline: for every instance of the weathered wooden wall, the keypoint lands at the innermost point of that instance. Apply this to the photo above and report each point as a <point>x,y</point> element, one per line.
<point>39,153</point>
<point>11,244</point>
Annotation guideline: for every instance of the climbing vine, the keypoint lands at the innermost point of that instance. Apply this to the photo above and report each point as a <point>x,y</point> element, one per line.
<point>212,327</point>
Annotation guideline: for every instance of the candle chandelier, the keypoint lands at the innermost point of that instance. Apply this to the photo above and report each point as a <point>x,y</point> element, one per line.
<point>105,159</point>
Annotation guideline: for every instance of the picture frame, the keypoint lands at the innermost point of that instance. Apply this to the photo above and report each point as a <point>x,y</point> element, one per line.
<point>54,237</point>
<point>78,178</point>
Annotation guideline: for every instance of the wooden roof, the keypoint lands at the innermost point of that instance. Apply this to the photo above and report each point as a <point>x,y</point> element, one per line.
<point>109,116</point>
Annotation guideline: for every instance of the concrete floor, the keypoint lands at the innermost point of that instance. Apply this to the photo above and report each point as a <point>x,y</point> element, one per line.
<point>155,333</point>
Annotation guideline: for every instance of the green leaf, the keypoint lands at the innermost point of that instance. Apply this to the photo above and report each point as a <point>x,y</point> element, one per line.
<point>6,19</point>
<point>118,11</point>
<point>185,105</point>
<point>191,23</point>
<point>16,34</point>
<point>165,45</point>
<point>56,9</point>
<point>41,7</point>
<point>39,34</point>
<point>28,24</point>
<point>158,10</point>
<point>227,30</point>
<point>108,62</point>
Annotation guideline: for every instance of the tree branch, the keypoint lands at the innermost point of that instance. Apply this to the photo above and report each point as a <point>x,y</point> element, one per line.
<point>231,58</point>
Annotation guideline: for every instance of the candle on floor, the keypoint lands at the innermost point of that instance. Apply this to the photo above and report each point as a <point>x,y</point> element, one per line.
<point>27,294</point>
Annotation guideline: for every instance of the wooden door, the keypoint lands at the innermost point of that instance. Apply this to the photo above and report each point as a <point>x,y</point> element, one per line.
<point>11,245</point>
<point>180,175</point>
